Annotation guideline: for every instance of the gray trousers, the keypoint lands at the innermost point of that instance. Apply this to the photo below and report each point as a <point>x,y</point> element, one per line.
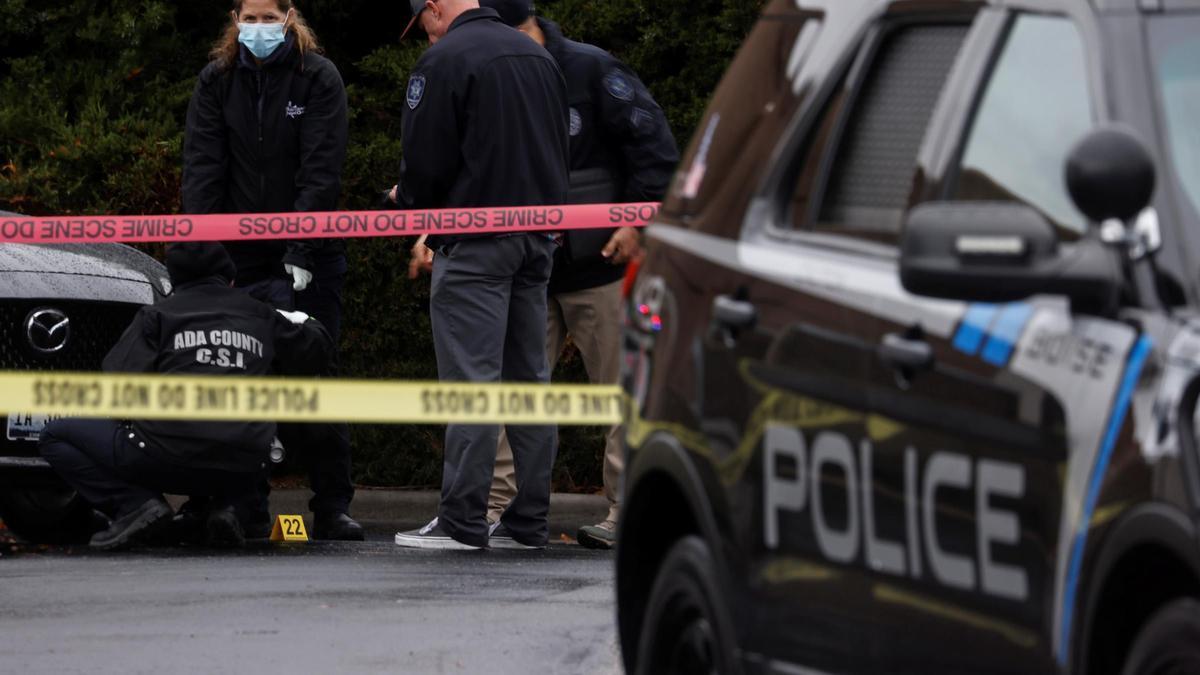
<point>488,309</point>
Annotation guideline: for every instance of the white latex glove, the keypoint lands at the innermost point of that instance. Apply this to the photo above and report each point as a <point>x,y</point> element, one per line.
<point>300,277</point>
<point>297,318</point>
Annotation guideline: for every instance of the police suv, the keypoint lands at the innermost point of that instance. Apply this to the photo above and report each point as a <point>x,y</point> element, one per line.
<point>914,354</point>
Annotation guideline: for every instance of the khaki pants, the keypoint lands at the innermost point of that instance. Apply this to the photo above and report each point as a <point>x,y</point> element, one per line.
<point>592,317</point>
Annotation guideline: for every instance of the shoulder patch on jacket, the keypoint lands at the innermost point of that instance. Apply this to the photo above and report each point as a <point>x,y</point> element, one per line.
<point>618,85</point>
<point>640,118</point>
<point>416,91</point>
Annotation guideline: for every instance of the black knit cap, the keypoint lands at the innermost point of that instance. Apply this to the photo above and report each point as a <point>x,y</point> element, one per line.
<point>192,261</point>
<point>512,12</point>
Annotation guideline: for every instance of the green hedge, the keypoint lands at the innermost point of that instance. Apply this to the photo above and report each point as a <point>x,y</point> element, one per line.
<point>93,95</point>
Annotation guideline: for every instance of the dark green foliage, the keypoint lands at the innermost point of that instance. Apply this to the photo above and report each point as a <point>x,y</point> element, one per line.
<point>679,48</point>
<point>93,96</point>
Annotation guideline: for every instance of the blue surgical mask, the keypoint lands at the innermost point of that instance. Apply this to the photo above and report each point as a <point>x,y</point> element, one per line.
<point>262,39</point>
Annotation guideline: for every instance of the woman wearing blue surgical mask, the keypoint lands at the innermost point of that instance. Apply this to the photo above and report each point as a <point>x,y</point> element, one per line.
<point>266,133</point>
<point>262,38</point>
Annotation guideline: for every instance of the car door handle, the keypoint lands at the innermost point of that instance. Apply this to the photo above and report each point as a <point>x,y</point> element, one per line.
<point>906,353</point>
<point>732,314</point>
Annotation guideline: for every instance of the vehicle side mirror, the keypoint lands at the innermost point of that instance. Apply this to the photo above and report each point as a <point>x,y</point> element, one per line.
<point>1001,252</point>
<point>1110,174</point>
<point>974,250</point>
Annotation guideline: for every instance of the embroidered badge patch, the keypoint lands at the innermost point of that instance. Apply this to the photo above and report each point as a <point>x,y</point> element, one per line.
<point>416,90</point>
<point>576,122</point>
<point>294,111</point>
<point>618,85</point>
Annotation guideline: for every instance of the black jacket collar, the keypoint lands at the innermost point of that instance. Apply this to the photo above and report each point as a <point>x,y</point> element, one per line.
<point>473,15</point>
<point>216,282</point>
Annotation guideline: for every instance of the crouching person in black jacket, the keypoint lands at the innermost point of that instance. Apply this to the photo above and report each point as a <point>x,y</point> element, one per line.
<point>205,328</point>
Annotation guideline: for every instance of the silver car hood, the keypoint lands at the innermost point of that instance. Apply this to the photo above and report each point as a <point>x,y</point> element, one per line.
<point>85,272</point>
<point>113,261</point>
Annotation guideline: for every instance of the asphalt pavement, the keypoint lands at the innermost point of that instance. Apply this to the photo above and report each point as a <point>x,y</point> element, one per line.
<point>317,607</point>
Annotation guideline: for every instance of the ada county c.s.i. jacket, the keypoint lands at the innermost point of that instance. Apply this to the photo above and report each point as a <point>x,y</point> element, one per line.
<point>208,328</point>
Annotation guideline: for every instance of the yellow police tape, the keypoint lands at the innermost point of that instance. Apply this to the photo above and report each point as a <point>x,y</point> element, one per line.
<point>305,400</point>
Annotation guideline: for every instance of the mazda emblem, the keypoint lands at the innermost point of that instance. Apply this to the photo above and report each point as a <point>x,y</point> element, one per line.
<point>48,330</point>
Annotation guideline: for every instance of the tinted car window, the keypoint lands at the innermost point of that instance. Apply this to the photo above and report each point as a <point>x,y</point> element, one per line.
<point>1034,109</point>
<point>1176,43</point>
<point>871,178</point>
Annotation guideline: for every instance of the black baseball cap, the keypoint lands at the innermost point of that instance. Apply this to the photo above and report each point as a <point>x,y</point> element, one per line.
<point>417,7</point>
<point>512,12</point>
<point>195,260</point>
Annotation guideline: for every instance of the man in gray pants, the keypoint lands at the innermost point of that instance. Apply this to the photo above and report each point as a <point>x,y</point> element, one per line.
<point>486,125</point>
<point>489,332</point>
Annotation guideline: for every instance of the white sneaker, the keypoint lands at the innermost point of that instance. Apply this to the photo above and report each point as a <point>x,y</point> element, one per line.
<point>432,537</point>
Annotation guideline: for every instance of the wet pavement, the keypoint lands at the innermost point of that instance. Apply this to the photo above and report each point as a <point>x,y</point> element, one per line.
<point>307,608</point>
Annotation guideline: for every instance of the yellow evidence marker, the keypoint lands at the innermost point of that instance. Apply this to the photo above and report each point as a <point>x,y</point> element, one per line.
<point>289,528</point>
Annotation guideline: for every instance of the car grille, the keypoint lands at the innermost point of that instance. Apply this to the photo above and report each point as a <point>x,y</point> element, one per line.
<point>95,327</point>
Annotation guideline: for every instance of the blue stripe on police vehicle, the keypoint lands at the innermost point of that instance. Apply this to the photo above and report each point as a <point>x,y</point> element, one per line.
<point>1116,420</point>
<point>994,328</point>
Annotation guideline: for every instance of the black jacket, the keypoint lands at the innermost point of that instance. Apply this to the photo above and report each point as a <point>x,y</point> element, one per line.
<point>615,125</point>
<point>485,122</point>
<point>267,139</point>
<point>208,328</point>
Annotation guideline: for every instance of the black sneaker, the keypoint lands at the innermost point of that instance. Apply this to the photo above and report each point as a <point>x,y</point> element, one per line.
<point>500,537</point>
<point>97,522</point>
<point>187,525</point>
<point>257,526</point>
<point>223,530</point>
<point>432,536</point>
<point>136,526</point>
<point>336,527</point>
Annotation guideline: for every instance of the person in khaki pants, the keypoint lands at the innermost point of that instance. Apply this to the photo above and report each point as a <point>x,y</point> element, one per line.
<point>592,317</point>
<point>622,150</point>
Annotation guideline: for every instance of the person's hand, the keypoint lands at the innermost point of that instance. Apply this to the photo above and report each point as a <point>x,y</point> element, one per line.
<point>421,261</point>
<point>300,277</point>
<point>297,318</point>
<point>392,196</point>
<point>623,246</point>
